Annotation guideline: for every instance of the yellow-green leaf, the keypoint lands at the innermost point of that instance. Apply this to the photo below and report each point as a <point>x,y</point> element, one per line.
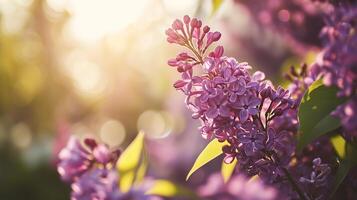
<point>212,150</point>
<point>167,188</point>
<point>216,4</point>
<point>142,169</point>
<point>227,170</point>
<point>339,145</point>
<point>129,161</point>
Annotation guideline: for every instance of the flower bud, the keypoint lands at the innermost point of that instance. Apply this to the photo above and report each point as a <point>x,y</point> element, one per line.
<point>186,19</point>
<point>177,25</point>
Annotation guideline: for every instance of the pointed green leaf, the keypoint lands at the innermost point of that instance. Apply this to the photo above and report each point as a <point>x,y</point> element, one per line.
<point>327,124</point>
<point>212,150</point>
<point>129,161</point>
<point>166,188</point>
<point>314,113</point>
<point>342,172</point>
<point>228,169</point>
<point>142,169</point>
<point>216,4</point>
<point>338,144</point>
<point>349,161</point>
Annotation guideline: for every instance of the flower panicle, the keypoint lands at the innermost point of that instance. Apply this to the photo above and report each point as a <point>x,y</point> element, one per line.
<point>197,38</point>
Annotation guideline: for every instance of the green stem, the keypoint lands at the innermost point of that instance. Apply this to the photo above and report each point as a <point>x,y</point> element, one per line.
<point>295,185</point>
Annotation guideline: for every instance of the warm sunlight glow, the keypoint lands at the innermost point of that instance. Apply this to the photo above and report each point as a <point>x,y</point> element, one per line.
<point>93,19</point>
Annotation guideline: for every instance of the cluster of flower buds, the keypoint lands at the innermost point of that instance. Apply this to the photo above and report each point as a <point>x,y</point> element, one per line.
<point>190,33</point>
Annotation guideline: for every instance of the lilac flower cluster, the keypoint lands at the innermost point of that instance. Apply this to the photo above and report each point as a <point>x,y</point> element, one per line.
<point>238,187</point>
<point>338,65</point>
<point>298,21</point>
<point>76,159</point>
<point>90,170</point>
<point>318,178</point>
<point>301,80</point>
<point>257,120</point>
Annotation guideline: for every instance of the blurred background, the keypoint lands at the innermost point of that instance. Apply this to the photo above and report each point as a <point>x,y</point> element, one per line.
<point>98,68</point>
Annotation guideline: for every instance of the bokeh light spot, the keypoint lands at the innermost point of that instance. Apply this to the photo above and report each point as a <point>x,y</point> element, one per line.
<point>154,124</point>
<point>21,135</point>
<point>112,133</point>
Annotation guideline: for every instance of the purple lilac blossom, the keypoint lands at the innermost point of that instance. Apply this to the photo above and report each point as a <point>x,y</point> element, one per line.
<point>297,21</point>
<point>317,180</point>
<point>255,118</point>
<point>239,187</point>
<point>90,168</point>
<point>102,184</point>
<point>76,158</point>
<point>338,63</point>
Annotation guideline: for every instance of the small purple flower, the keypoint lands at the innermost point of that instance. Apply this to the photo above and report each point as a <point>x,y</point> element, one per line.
<point>318,179</point>
<point>251,138</point>
<point>248,107</point>
<point>74,160</point>
<point>99,184</point>
<point>348,114</point>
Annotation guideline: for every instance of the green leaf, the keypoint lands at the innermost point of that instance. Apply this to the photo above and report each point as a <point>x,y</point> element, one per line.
<point>140,174</point>
<point>349,161</point>
<point>128,162</point>
<point>227,169</point>
<point>338,144</point>
<point>212,150</point>
<point>166,188</point>
<point>342,172</point>
<point>216,4</point>
<point>314,113</point>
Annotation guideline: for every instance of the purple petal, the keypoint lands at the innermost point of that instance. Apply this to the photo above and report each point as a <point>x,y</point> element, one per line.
<point>243,115</point>
<point>240,90</point>
<point>233,98</point>
<point>258,76</point>
<point>254,102</point>
<point>253,111</point>
<point>249,149</point>
<point>229,159</point>
<point>224,111</point>
<point>102,154</point>
<point>212,113</point>
<point>252,85</point>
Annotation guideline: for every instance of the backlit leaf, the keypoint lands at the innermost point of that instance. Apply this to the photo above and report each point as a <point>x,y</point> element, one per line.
<point>166,188</point>
<point>339,145</point>
<point>228,169</point>
<point>211,151</point>
<point>128,162</point>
